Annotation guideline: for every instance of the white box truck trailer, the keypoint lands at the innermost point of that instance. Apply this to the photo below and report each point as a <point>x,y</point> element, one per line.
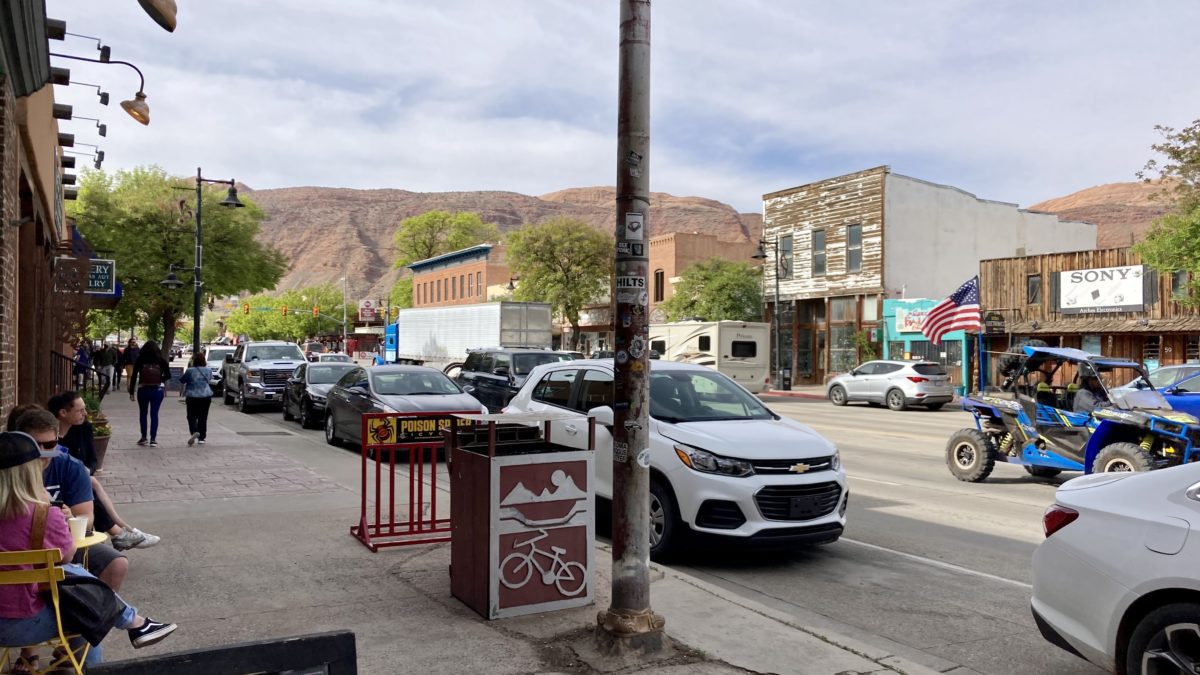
<point>439,337</point>
<point>738,349</point>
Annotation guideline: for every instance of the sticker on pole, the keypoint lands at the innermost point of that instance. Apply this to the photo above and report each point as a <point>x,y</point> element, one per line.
<point>634,227</point>
<point>620,452</point>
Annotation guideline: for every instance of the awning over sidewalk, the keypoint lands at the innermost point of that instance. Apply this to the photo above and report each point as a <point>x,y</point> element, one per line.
<point>1101,326</point>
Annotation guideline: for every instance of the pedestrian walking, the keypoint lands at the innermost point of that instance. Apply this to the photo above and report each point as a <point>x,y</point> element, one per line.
<point>105,359</point>
<point>83,360</point>
<point>130,357</point>
<point>150,375</point>
<point>199,397</point>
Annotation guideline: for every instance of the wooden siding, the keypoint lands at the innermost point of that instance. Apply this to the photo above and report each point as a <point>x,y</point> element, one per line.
<point>1003,289</point>
<point>831,205</point>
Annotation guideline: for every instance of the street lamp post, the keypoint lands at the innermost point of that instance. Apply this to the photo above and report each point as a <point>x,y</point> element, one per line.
<point>761,254</point>
<point>231,200</point>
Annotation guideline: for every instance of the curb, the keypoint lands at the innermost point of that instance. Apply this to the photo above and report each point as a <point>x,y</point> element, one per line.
<point>794,394</point>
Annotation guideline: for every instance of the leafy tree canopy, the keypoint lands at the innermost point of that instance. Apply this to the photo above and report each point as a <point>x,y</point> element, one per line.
<point>140,220</point>
<point>564,262</point>
<point>437,232</point>
<point>1179,166</point>
<point>1173,245</point>
<point>401,294</point>
<point>717,290</point>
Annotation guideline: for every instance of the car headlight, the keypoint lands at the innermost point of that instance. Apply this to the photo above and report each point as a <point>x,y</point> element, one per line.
<point>835,461</point>
<point>253,375</point>
<point>385,408</point>
<point>316,398</point>
<point>706,462</point>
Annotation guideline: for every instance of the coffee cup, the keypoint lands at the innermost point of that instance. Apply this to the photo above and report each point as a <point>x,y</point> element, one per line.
<point>78,527</point>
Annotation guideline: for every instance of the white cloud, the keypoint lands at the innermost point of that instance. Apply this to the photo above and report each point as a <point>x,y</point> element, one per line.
<point>1013,101</point>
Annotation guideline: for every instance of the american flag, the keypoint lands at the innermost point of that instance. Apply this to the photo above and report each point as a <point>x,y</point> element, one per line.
<point>960,311</point>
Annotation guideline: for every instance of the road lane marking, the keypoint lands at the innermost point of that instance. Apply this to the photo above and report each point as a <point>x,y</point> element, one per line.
<point>875,480</point>
<point>940,564</point>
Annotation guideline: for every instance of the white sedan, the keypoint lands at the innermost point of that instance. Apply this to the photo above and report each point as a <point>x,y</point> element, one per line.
<point>1117,579</point>
<point>721,463</point>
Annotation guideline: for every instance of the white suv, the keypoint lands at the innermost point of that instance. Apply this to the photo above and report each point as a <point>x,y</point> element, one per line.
<point>721,463</point>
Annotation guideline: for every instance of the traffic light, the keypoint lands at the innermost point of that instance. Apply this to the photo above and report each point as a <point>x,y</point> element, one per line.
<point>316,310</point>
<point>283,310</point>
<point>245,308</point>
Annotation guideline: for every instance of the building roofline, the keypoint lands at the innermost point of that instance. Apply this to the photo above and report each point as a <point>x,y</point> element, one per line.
<point>1081,250</point>
<point>884,168</point>
<point>449,257</point>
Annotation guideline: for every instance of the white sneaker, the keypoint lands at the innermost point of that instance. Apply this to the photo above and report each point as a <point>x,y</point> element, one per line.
<point>147,541</point>
<point>127,539</point>
<point>192,440</point>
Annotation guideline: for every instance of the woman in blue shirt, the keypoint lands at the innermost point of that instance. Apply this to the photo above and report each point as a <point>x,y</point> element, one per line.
<point>199,397</point>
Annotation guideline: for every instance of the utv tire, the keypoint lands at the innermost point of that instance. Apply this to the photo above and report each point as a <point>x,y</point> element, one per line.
<point>1123,457</point>
<point>1042,471</point>
<point>970,455</point>
<point>895,400</point>
<point>1161,639</point>
<point>837,395</point>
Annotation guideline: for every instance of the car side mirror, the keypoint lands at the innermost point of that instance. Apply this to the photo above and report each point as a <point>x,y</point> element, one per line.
<point>603,415</point>
<point>470,389</point>
<point>854,372</point>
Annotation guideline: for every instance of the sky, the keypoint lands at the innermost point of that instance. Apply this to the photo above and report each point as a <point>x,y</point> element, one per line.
<point>1016,101</point>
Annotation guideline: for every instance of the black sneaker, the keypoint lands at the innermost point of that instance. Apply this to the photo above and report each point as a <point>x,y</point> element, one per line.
<point>151,632</point>
<point>154,444</point>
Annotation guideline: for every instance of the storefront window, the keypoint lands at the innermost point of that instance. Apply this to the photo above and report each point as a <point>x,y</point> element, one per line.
<point>927,351</point>
<point>870,309</point>
<point>842,309</point>
<point>842,353</point>
<point>896,349</point>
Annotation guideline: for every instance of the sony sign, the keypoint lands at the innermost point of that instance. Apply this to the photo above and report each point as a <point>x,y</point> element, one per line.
<point>1102,290</point>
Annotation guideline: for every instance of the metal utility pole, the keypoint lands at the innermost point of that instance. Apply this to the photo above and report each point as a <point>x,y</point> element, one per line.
<point>629,621</point>
<point>345,283</point>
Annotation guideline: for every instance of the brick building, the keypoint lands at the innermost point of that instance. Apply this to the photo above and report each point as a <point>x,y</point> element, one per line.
<point>466,277</point>
<point>672,253</point>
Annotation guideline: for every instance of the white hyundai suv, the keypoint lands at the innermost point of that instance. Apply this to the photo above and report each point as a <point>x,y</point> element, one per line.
<point>721,463</point>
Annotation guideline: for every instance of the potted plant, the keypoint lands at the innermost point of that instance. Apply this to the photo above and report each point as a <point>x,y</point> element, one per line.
<point>101,430</point>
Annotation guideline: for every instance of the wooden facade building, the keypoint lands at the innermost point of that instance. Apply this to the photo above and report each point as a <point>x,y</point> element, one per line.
<point>1141,318</point>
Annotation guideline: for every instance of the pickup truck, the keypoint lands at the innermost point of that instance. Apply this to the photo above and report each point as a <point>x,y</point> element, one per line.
<point>257,373</point>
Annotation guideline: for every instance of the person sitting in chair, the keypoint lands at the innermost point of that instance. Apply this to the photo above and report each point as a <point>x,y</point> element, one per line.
<point>1091,395</point>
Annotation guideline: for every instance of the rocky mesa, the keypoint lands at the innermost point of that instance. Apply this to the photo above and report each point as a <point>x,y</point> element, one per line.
<point>331,232</point>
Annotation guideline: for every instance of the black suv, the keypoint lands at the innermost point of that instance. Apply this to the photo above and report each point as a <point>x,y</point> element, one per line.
<point>495,375</point>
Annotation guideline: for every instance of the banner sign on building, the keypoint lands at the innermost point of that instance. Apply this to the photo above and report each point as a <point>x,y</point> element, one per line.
<point>102,277</point>
<point>910,320</point>
<point>1102,290</point>
<point>368,310</point>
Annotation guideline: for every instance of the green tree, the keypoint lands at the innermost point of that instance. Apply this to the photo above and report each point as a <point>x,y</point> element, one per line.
<point>436,232</point>
<point>1172,244</point>
<point>147,225</point>
<point>266,320</point>
<point>717,290</point>
<point>564,262</point>
<point>402,292</point>
<point>1179,167</point>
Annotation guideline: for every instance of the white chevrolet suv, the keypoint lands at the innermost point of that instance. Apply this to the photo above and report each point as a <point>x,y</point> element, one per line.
<point>721,463</point>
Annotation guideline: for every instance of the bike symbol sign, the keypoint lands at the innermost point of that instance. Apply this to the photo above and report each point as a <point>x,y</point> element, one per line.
<point>517,569</point>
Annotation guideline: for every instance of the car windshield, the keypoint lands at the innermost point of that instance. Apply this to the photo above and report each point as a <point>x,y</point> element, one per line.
<point>700,396</point>
<point>523,363</point>
<point>315,347</point>
<point>216,357</point>
<point>1139,394</point>
<point>326,374</point>
<point>274,352</point>
<point>336,358</point>
<point>413,384</point>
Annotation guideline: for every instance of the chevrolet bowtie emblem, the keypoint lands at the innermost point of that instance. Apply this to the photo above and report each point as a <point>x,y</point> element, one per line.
<point>799,468</point>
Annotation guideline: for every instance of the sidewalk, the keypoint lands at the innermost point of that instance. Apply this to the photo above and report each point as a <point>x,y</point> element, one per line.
<point>256,545</point>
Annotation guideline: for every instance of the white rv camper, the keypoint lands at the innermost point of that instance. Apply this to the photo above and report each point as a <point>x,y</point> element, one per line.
<point>738,349</point>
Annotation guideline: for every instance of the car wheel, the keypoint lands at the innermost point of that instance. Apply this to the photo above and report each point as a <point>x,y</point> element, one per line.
<point>1164,639</point>
<point>226,397</point>
<point>305,415</point>
<point>934,406</point>
<point>330,435</point>
<point>895,400</point>
<point>287,414</point>
<point>1123,457</point>
<point>970,455</point>
<point>837,395</point>
<point>665,524</point>
<point>243,405</point>
<point>1042,471</point>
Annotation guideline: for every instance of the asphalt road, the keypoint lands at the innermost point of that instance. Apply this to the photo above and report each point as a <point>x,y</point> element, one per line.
<point>930,568</point>
<point>935,569</point>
